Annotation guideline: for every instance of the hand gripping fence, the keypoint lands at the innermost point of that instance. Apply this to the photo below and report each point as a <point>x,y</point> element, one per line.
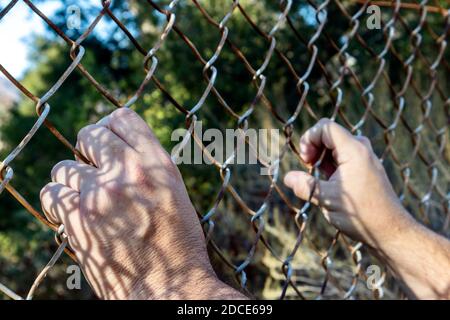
<point>424,195</point>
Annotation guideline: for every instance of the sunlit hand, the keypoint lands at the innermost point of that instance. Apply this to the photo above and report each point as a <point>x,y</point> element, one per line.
<point>357,198</point>
<point>128,217</point>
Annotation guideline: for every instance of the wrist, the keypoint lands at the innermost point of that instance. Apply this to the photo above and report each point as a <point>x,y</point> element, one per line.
<point>419,259</point>
<point>171,286</point>
<point>191,284</point>
<point>394,231</point>
<point>399,233</point>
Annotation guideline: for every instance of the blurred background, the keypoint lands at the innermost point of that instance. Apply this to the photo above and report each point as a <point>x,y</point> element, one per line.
<point>36,56</point>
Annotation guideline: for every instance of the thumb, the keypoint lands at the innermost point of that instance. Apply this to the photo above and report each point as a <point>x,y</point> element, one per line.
<point>303,184</point>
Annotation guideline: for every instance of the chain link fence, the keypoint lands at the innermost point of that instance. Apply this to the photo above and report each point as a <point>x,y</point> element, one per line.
<point>404,113</point>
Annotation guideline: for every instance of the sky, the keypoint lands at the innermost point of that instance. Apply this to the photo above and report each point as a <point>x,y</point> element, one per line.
<point>16,28</point>
<point>21,24</point>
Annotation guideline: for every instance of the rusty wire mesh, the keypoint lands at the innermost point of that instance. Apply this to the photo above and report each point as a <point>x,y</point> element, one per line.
<point>414,120</point>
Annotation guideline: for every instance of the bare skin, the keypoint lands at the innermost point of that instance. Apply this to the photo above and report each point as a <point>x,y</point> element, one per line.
<point>358,199</point>
<point>136,235</point>
<point>128,216</point>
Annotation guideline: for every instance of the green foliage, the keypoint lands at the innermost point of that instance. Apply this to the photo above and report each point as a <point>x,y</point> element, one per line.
<point>117,65</point>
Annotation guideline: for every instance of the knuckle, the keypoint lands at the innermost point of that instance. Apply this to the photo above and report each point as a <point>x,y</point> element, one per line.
<point>56,169</point>
<point>363,150</point>
<point>113,188</point>
<point>304,139</point>
<point>60,166</point>
<point>324,122</point>
<point>364,140</point>
<point>86,131</point>
<point>46,191</point>
<point>122,113</point>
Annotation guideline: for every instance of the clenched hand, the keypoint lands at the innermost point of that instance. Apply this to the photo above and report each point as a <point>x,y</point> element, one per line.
<point>128,217</point>
<point>358,199</point>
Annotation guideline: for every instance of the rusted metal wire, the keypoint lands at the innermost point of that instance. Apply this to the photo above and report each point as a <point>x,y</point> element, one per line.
<point>336,75</point>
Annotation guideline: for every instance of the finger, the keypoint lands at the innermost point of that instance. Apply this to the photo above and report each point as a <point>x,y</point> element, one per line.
<point>131,128</point>
<point>100,145</point>
<point>104,122</point>
<point>326,134</point>
<point>305,187</point>
<point>72,174</point>
<point>59,203</point>
<point>365,141</point>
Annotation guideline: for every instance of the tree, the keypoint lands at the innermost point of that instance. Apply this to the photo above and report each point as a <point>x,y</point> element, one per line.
<point>118,65</point>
